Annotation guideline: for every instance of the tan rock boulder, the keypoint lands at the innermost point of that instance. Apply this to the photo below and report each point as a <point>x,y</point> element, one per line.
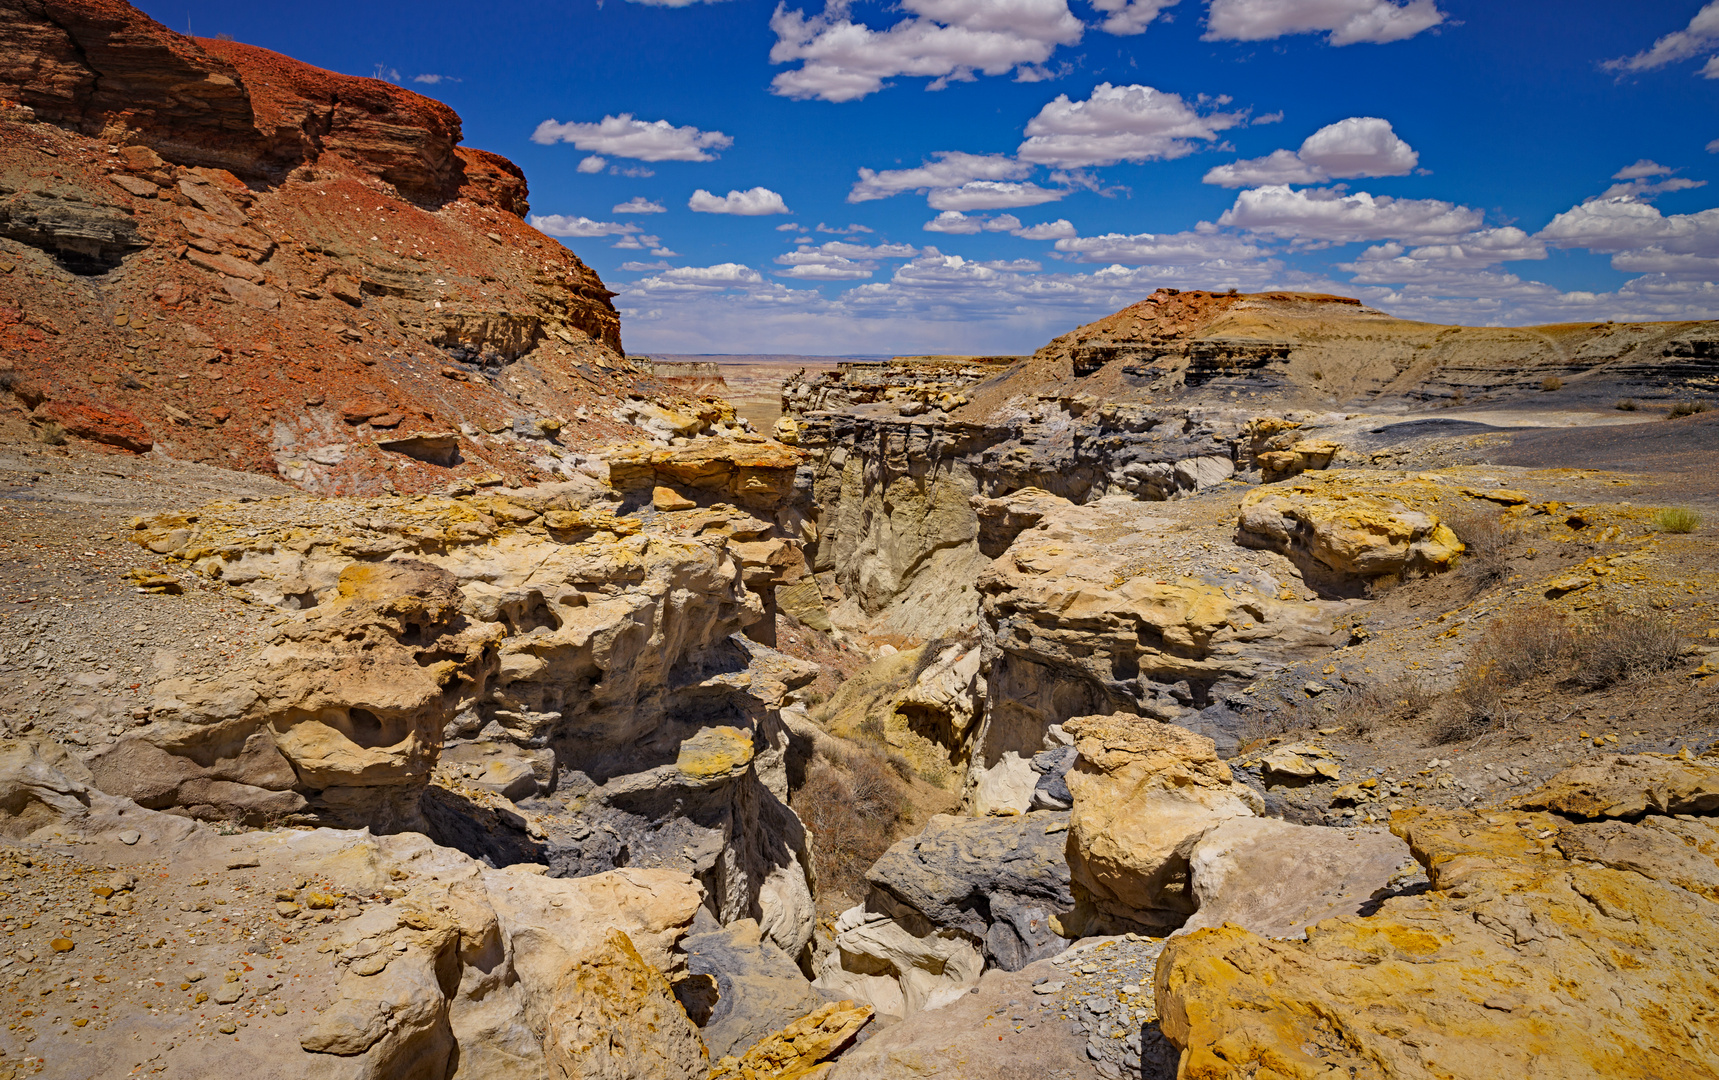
<point>798,1049</point>
<point>1356,525</point>
<point>668,499</point>
<point>1144,792</point>
<point>894,969</point>
<point>1298,458</point>
<point>1276,878</point>
<point>1628,786</point>
<point>1523,964</point>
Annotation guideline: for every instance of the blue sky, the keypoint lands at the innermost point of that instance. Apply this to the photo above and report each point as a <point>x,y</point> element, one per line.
<point>1451,160</point>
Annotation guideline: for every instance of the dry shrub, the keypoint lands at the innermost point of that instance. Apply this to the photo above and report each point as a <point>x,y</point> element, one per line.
<point>853,802</point>
<point>1688,408</point>
<point>1677,519</point>
<point>1389,702</point>
<point>1627,405</point>
<point>1487,539</point>
<point>1551,383</point>
<point>1537,642</point>
<point>52,434</point>
<point>1620,646</point>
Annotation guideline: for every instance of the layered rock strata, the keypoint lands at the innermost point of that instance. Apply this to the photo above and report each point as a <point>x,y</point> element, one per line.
<point>218,253</point>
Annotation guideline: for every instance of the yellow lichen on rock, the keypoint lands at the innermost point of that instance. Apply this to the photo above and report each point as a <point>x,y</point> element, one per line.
<point>714,753</point>
<point>1549,948</point>
<point>614,1017</point>
<point>1367,525</point>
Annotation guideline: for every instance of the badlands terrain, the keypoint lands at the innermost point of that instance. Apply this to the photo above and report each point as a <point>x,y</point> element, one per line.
<point>402,681</point>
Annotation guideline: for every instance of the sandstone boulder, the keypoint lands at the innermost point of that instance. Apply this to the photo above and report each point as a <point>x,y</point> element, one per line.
<point>1276,879</point>
<point>1144,793</point>
<point>613,1017</point>
<point>1076,621</point>
<point>1628,786</point>
<point>1000,880</point>
<point>879,961</point>
<point>1350,525</point>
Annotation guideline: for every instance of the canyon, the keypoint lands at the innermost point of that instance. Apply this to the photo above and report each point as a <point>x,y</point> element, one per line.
<point>404,681</point>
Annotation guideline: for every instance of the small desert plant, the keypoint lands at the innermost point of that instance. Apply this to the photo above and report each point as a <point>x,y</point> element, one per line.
<point>1688,408</point>
<point>1621,646</point>
<point>1534,641</point>
<point>8,379</point>
<point>52,434</point>
<point>1384,703</point>
<point>871,729</point>
<point>1551,383</point>
<point>1627,405</point>
<point>1677,519</point>
<point>1487,538</point>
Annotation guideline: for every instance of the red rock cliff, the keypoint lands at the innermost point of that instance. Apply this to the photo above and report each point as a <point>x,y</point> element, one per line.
<point>217,252</point>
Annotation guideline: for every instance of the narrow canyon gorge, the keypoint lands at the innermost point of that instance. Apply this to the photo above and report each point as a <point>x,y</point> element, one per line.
<point>402,680</point>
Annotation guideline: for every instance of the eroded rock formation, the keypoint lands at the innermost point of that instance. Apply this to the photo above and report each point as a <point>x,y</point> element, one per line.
<point>585,680</point>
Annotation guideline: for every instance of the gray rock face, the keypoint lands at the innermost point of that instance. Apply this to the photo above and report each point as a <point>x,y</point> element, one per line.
<point>741,986</point>
<point>997,879</point>
<point>1051,791</point>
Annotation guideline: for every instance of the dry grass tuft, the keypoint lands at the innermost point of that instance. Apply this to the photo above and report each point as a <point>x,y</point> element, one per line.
<point>1551,383</point>
<point>52,434</point>
<point>1677,519</point>
<point>1688,408</point>
<point>1626,405</point>
<point>1621,647</point>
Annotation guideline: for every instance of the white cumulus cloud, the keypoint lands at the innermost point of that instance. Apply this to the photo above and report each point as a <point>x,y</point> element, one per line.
<point>593,164</point>
<point>638,204</point>
<point>628,137</point>
<point>579,226</point>
<point>1320,214</point>
<point>703,278</point>
<point>955,223</point>
<point>756,202</point>
<point>1700,36</point>
<point>944,40</point>
<point>1358,146</point>
<point>1060,229</point>
<point>1624,224</point>
<point>1128,17</point>
<point>948,169</point>
<point>1345,22</point>
<point>991,195</point>
<point>1203,246</point>
<point>1120,123</point>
